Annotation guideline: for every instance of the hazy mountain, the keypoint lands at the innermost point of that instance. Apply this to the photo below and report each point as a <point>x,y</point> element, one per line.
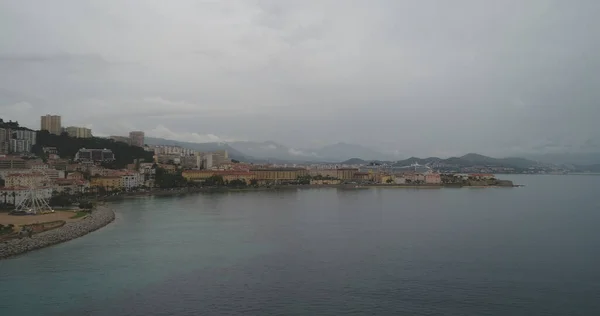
<point>347,153</point>
<point>572,158</point>
<point>472,160</point>
<point>202,147</point>
<point>331,153</point>
<point>271,151</point>
<point>344,151</point>
<point>477,159</point>
<point>355,161</point>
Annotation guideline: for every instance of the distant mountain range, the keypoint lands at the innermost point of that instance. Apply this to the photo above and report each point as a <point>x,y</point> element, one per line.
<point>202,147</point>
<point>572,158</point>
<point>463,161</point>
<point>331,153</point>
<point>273,152</point>
<point>261,152</point>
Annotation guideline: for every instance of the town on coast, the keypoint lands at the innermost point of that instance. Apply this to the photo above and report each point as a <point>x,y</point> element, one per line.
<point>52,179</point>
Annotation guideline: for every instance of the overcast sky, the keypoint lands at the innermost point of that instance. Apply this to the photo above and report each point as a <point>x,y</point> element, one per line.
<point>413,77</point>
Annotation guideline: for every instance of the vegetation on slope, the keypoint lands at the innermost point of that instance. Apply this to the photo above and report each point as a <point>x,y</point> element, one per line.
<point>68,146</point>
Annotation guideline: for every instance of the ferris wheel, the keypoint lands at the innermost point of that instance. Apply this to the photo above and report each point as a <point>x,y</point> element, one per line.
<point>34,201</point>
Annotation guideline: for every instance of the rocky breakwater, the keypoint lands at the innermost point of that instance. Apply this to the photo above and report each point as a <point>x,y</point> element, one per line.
<point>98,218</point>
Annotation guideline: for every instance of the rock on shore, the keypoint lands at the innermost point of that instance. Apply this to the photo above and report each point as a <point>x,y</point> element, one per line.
<point>98,218</point>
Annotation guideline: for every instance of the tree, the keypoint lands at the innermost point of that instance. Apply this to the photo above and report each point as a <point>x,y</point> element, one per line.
<point>236,183</point>
<point>60,200</point>
<point>390,180</point>
<point>253,182</point>
<point>215,180</point>
<point>5,194</point>
<point>163,179</point>
<point>235,161</point>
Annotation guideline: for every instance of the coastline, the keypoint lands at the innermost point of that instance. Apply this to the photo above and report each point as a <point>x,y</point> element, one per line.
<point>99,217</point>
<point>223,189</point>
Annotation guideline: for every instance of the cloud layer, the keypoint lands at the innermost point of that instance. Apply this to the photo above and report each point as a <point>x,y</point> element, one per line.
<point>409,77</point>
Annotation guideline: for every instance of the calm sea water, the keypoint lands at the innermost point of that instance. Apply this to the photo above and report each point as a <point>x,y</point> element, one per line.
<point>512,251</point>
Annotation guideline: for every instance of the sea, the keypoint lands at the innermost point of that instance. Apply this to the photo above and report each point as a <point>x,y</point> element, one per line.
<point>532,250</point>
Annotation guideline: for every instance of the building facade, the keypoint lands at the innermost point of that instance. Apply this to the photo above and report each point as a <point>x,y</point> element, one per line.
<point>51,123</point>
<point>79,132</point>
<point>108,182</point>
<point>433,178</point>
<point>227,175</point>
<point>278,175</point>
<point>4,140</point>
<point>136,138</point>
<point>95,155</point>
<point>11,162</point>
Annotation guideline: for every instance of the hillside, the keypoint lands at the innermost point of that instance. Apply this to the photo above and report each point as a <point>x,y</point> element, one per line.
<point>12,125</point>
<point>68,146</point>
<point>472,159</point>
<point>354,161</point>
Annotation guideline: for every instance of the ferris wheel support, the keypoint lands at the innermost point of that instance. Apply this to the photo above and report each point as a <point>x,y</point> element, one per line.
<point>34,202</point>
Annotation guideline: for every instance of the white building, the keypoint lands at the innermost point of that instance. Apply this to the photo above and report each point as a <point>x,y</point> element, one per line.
<point>133,180</point>
<point>208,161</point>
<point>399,180</point>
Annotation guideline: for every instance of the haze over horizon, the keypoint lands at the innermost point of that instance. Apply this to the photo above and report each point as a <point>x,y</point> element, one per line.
<point>422,78</point>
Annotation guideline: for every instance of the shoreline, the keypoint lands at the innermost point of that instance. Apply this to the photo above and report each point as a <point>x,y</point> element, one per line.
<point>98,218</point>
<point>223,189</point>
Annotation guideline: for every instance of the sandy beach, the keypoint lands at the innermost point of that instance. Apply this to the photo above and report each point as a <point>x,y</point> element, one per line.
<point>6,219</point>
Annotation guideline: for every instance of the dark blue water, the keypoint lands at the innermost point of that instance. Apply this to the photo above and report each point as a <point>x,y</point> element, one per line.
<point>515,251</point>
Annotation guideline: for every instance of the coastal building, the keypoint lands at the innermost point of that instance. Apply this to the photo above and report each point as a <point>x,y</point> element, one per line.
<point>399,179</point>
<point>386,179</point>
<point>433,178</point>
<point>51,123</point>
<point>71,186</point>
<point>95,155</point>
<point>363,176</point>
<point>79,132</point>
<point>35,179</point>
<point>325,181</point>
<point>136,138</point>
<point>106,182</point>
<point>338,173</point>
<point>227,175</point>
<point>278,175</point>
<point>414,177</point>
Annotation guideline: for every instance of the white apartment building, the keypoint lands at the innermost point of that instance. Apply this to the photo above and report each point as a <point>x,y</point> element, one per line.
<point>130,181</point>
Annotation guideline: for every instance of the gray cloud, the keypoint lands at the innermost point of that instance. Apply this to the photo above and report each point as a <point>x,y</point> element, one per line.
<point>412,77</point>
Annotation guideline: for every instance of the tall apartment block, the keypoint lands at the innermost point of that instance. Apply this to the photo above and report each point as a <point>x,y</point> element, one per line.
<point>136,138</point>
<point>79,132</point>
<point>51,123</point>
